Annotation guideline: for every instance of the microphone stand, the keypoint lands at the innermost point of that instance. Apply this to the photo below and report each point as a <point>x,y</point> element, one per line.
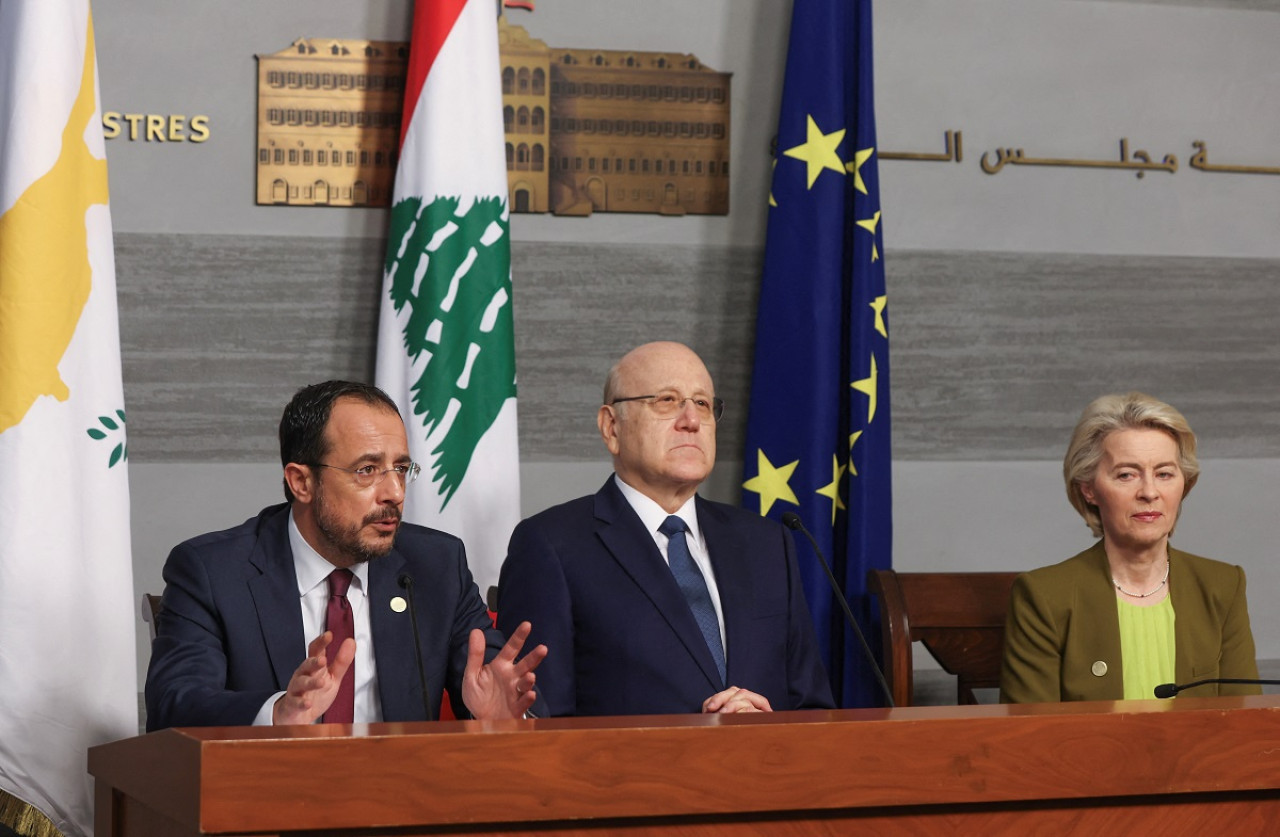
<point>793,522</point>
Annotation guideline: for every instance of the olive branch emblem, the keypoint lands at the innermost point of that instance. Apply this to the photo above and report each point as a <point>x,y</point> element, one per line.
<point>114,428</point>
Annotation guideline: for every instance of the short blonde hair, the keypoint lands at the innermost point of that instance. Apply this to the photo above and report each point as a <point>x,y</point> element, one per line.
<point>1106,415</point>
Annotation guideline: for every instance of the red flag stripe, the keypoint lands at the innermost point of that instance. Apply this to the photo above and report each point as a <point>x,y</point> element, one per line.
<point>432,22</point>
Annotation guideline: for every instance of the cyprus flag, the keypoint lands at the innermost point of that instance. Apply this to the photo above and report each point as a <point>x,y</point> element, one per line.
<point>68,677</point>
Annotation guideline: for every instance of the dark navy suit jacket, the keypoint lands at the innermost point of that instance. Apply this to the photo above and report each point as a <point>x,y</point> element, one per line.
<point>621,638</point>
<point>230,634</point>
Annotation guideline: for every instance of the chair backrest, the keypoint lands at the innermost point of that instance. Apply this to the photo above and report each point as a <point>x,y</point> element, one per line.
<point>959,617</point>
<point>151,607</point>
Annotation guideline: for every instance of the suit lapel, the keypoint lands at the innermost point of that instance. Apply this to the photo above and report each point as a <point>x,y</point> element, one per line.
<point>275,597</point>
<point>624,536</point>
<point>393,646</point>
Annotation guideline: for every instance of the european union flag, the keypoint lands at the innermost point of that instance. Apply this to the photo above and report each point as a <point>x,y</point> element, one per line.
<point>818,426</point>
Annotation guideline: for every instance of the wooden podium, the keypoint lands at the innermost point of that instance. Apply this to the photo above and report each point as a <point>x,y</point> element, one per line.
<point>1088,768</point>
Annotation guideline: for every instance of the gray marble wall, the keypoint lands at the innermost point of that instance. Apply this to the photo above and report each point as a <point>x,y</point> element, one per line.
<point>993,354</point>
<point>1238,5</point>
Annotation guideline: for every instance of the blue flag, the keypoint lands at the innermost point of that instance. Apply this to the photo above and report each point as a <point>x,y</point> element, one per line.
<point>818,426</point>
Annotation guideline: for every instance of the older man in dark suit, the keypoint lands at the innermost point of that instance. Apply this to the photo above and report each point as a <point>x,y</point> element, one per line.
<point>334,566</point>
<point>649,598</point>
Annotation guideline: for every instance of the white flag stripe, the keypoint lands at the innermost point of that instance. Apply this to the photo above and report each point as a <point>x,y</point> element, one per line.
<point>487,523</point>
<point>452,114</point>
<point>40,109</point>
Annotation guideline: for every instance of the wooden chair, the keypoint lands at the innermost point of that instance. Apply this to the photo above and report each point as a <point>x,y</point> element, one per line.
<point>958,616</point>
<point>151,607</point>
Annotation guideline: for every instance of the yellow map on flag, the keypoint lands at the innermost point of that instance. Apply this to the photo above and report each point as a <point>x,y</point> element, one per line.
<point>44,262</point>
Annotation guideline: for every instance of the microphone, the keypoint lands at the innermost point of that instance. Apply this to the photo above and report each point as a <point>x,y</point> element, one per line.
<point>406,584</point>
<point>792,521</point>
<point>1168,690</point>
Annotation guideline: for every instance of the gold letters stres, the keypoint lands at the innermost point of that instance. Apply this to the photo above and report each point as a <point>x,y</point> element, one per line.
<point>153,127</point>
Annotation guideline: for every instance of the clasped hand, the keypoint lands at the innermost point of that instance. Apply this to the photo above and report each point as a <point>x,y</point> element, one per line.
<point>733,700</point>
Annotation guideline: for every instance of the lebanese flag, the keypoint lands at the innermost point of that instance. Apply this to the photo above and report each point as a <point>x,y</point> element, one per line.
<point>446,346</point>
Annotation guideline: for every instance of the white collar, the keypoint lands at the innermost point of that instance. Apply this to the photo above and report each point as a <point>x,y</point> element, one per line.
<point>652,515</point>
<point>312,568</point>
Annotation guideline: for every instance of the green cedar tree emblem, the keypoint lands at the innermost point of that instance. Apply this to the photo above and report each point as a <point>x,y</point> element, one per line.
<point>120,452</point>
<point>454,274</point>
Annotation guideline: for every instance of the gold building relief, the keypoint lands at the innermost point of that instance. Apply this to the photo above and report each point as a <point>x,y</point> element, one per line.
<point>329,122</point>
<point>586,130</point>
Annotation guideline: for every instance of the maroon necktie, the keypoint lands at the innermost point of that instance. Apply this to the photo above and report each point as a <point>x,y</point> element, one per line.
<point>338,619</point>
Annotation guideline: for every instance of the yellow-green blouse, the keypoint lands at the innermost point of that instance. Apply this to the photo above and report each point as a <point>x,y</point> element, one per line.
<point>1146,646</point>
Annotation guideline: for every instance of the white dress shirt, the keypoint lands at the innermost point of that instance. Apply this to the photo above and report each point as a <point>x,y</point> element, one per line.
<point>312,573</point>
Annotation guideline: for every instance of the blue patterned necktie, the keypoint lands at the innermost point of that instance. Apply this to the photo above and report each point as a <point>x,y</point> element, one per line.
<point>694,587</point>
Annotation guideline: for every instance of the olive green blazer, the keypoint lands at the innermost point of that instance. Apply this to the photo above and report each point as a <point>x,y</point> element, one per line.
<point>1062,634</point>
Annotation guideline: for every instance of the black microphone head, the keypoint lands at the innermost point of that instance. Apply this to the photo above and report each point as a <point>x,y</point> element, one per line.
<point>1166,690</point>
<point>792,521</point>
<point>405,581</point>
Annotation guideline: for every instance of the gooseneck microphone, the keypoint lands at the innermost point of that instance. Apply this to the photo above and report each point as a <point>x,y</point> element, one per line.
<point>792,521</point>
<point>406,584</point>
<point>1168,690</point>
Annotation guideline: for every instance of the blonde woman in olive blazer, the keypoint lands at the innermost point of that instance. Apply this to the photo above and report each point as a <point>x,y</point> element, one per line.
<point>1062,641</point>
<point>1131,462</point>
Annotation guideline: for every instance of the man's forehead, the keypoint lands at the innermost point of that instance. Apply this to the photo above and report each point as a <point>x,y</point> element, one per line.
<point>658,371</point>
<point>352,407</point>
<point>352,418</point>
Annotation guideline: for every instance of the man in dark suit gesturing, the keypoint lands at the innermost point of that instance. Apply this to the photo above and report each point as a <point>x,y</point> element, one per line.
<point>304,613</point>
<point>649,598</point>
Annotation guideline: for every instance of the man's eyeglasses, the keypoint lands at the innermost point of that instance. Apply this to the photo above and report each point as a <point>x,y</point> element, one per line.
<point>370,475</point>
<point>669,405</point>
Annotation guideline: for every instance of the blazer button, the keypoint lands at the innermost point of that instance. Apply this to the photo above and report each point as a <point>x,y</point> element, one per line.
<point>1099,669</point>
